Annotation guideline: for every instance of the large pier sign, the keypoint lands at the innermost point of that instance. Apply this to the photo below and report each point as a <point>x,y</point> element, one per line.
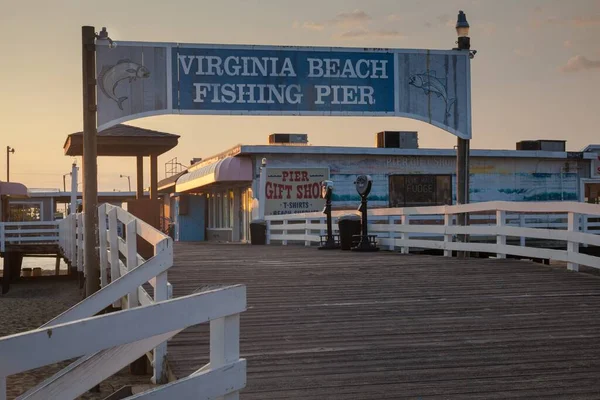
<point>140,79</point>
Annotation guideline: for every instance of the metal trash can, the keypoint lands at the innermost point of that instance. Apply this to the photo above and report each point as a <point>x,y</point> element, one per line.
<point>258,232</point>
<point>349,226</point>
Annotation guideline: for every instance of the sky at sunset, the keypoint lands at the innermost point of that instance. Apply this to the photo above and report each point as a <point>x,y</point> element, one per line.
<point>536,73</point>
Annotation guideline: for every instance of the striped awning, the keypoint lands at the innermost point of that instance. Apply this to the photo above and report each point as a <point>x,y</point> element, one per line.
<point>229,169</point>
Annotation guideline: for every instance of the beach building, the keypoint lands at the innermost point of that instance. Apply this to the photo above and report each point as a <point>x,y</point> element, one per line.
<point>216,198</point>
<point>8,191</point>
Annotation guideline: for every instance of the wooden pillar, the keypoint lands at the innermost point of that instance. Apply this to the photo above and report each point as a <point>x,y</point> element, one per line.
<point>153,176</point>
<point>57,265</point>
<point>90,167</point>
<point>140,178</point>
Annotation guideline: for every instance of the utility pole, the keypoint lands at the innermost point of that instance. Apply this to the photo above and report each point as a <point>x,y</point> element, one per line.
<point>9,150</point>
<point>463,145</point>
<point>91,259</point>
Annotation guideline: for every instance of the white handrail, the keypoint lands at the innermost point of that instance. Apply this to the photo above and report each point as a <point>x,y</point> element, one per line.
<point>111,221</point>
<point>31,232</point>
<point>121,285</point>
<point>139,328</point>
<point>435,228</point>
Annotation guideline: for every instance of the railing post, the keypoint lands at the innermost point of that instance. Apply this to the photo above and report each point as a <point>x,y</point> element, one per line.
<point>268,233</point>
<point>584,226</point>
<point>447,237</point>
<point>225,345</point>
<point>405,220</point>
<point>102,243</point>
<point>285,232</point>
<point>73,240</point>
<point>132,261</point>
<point>500,239</point>
<point>322,231</point>
<point>391,233</point>
<point>113,242</point>
<point>161,293</point>
<point>521,225</point>
<point>573,245</point>
<point>307,224</point>
<point>2,248</point>
<point>80,242</point>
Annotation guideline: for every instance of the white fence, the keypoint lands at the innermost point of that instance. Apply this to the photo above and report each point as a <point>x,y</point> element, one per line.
<point>502,228</point>
<point>110,342</point>
<point>28,232</point>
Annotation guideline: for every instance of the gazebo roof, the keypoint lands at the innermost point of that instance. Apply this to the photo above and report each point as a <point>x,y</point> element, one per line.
<point>124,141</point>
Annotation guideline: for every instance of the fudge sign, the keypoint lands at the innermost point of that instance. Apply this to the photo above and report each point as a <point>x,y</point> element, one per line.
<point>139,79</point>
<point>294,190</point>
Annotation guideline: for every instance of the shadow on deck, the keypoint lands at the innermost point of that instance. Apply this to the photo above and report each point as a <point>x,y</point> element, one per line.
<point>342,325</point>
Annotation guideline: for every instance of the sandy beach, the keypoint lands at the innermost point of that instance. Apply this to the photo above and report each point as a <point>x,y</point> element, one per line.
<point>29,305</point>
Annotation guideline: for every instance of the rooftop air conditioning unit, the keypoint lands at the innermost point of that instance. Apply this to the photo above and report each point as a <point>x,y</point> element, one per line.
<point>542,145</point>
<point>288,139</point>
<point>398,140</point>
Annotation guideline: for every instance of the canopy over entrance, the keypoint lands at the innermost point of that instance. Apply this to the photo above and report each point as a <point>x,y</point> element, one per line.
<point>10,190</point>
<point>13,189</point>
<point>229,169</point>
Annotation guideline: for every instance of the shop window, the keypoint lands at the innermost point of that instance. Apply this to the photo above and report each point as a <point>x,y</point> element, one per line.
<point>231,209</point>
<point>220,210</point>
<point>25,211</point>
<point>420,190</point>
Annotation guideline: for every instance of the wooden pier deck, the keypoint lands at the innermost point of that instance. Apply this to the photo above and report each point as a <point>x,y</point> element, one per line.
<point>342,325</point>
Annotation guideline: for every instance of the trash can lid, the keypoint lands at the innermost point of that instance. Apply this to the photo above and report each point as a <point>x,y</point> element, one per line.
<point>349,217</point>
<point>258,221</point>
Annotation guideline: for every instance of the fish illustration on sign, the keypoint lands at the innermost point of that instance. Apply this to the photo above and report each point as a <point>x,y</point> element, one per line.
<point>430,83</point>
<point>111,75</point>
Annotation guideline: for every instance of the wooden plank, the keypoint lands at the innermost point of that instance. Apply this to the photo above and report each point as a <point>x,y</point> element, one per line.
<point>340,325</point>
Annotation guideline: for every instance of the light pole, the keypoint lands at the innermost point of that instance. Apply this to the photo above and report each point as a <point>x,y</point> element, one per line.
<point>65,182</point>
<point>462,148</point>
<point>9,150</point>
<point>128,180</point>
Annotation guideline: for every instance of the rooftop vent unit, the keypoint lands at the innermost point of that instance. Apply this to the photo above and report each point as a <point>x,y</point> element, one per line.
<point>287,139</point>
<point>542,145</point>
<point>398,140</point>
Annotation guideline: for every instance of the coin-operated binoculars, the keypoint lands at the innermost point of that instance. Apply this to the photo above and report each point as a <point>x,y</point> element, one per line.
<point>326,193</point>
<point>363,187</point>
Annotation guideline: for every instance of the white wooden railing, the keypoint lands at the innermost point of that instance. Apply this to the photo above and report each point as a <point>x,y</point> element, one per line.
<point>541,230</point>
<point>110,342</point>
<point>28,232</point>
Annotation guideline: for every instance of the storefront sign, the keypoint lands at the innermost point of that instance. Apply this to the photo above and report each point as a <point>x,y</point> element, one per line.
<point>596,167</point>
<point>141,79</point>
<point>294,190</point>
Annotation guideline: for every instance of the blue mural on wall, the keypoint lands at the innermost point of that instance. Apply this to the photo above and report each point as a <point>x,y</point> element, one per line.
<point>497,178</point>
